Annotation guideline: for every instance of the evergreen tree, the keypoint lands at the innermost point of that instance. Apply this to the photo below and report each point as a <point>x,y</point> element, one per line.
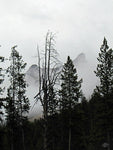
<point>1,89</point>
<point>105,70</point>
<point>1,105</point>
<point>70,87</point>
<point>17,104</point>
<point>70,92</point>
<point>105,91</point>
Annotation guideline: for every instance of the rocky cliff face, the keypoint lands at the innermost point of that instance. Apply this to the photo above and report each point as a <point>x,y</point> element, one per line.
<point>33,71</point>
<point>80,60</point>
<point>32,75</point>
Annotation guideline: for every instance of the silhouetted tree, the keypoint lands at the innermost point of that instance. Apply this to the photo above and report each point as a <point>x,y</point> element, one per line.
<point>47,79</point>
<point>105,70</point>
<point>70,90</point>
<point>105,89</point>
<point>1,89</point>
<point>17,104</point>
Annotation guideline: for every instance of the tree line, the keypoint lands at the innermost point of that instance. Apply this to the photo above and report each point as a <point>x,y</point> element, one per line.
<point>69,121</point>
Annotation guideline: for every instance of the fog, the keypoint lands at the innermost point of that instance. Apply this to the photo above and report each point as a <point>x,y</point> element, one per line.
<point>79,25</point>
<point>85,70</point>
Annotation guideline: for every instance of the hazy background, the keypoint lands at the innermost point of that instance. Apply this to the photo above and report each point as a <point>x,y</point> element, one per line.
<point>80,26</point>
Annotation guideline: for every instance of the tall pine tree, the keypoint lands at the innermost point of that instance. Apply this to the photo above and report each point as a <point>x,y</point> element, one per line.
<point>70,87</point>
<point>1,103</point>
<point>70,92</point>
<point>105,70</point>
<point>17,104</point>
<point>1,89</point>
<point>105,90</point>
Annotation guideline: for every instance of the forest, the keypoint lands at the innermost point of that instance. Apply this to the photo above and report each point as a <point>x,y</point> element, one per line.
<point>70,121</point>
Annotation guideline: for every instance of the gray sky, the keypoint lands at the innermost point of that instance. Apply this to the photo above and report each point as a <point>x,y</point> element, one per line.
<point>80,26</point>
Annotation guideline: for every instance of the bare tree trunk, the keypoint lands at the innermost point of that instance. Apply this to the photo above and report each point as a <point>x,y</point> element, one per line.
<point>70,107</point>
<point>108,139</point>
<point>23,139</point>
<point>12,139</point>
<point>44,83</point>
<point>45,134</point>
<point>69,138</point>
<point>107,121</point>
<point>45,119</point>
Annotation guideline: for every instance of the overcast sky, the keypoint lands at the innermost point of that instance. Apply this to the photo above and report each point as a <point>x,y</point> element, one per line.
<point>80,26</point>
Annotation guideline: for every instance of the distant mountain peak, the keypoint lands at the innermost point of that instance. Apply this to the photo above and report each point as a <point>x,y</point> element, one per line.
<point>33,71</point>
<point>80,59</point>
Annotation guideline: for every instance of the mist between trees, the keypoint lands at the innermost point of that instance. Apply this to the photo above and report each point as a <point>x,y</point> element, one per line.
<point>69,120</point>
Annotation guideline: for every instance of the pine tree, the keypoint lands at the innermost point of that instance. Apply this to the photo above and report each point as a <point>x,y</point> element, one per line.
<point>1,89</point>
<point>1,104</point>
<point>105,70</point>
<point>17,104</point>
<point>70,91</point>
<point>105,90</point>
<point>70,87</point>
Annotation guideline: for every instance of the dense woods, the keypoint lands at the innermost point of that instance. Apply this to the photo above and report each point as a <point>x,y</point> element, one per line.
<point>70,121</point>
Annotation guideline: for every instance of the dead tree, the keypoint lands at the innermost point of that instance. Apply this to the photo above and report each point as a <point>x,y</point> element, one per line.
<point>47,77</point>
